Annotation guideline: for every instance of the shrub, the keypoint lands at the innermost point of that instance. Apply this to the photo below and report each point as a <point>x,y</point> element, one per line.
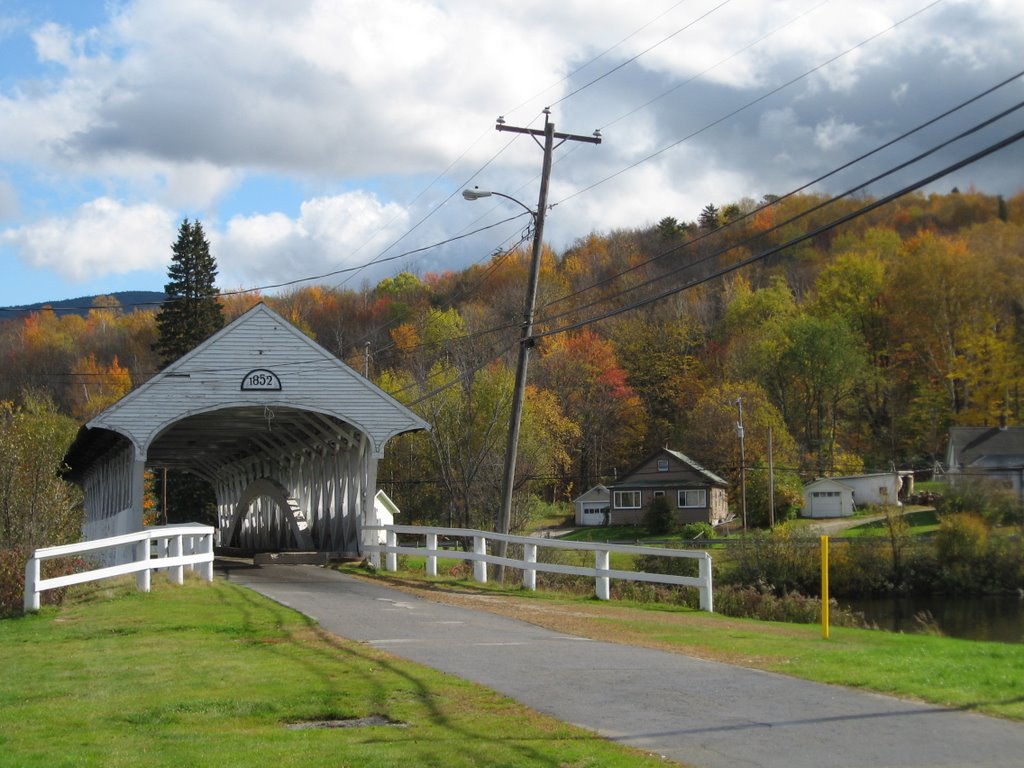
<point>983,497</point>
<point>760,602</point>
<point>12,579</point>
<point>658,516</point>
<point>961,539</point>
<point>695,530</point>
<point>786,560</point>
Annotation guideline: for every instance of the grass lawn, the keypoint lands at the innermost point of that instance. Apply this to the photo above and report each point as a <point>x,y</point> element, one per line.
<point>211,675</point>
<point>920,521</point>
<point>978,676</point>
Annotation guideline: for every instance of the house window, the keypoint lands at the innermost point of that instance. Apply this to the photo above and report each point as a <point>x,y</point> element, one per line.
<point>697,497</point>
<point>627,499</point>
<point>663,465</point>
<point>658,493</point>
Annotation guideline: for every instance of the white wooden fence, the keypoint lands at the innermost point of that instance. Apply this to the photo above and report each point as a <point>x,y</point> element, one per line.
<point>601,572</point>
<point>177,546</point>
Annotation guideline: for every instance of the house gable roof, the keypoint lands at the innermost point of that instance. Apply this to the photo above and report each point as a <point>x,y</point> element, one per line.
<point>633,478</point>
<point>597,493</point>
<point>827,482</point>
<point>985,446</point>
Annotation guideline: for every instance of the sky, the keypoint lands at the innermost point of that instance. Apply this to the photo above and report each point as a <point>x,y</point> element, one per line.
<point>328,141</point>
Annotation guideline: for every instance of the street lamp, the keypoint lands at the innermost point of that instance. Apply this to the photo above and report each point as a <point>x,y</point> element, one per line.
<point>525,343</point>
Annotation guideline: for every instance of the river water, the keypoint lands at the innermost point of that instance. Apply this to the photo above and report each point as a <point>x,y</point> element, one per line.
<point>992,617</point>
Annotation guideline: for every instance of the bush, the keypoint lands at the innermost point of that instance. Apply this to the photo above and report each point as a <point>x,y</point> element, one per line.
<point>658,517</point>
<point>785,560</point>
<point>695,530</point>
<point>983,497</point>
<point>961,539</point>
<point>760,602</point>
<point>12,579</point>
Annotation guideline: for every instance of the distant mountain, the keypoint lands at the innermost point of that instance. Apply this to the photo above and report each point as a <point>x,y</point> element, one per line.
<point>129,301</point>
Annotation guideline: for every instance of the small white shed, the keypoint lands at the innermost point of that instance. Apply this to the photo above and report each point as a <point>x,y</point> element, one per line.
<point>385,510</point>
<point>592,506</point>
<point>828,497</point>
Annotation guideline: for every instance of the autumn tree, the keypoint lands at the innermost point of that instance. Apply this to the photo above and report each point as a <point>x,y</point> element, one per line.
<point>37,508</point>
<point>95,386</point>
<point>583,372</point>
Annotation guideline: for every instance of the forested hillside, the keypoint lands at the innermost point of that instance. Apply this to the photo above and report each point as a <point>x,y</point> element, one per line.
<point>858,345</point>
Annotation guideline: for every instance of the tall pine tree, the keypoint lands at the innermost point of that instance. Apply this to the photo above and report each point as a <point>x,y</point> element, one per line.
<point>191,312</point>
<point>189,316</point>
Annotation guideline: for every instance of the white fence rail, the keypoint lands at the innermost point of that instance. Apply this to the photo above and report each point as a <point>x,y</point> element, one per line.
<point>177,546</point>
<point>601,572</point>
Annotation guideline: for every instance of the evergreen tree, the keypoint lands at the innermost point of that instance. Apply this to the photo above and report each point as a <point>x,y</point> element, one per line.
<point>709,217</point>
<point>191,312</point>
<point>189,316</point>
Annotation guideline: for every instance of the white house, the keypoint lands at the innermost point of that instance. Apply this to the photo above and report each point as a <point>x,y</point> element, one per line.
<point>592,506</point>
<point>994,453</point>
<point>840,496</point>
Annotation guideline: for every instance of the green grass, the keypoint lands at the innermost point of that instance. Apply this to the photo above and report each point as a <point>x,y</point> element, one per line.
<point>210,674</point>
<point>978,676</point>
<point>920,522</point>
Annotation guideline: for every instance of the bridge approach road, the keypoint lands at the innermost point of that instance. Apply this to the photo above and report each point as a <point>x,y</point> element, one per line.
<point>696,712</point>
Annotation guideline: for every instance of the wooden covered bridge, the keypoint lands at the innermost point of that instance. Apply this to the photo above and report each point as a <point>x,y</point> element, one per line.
<point>288,436</point>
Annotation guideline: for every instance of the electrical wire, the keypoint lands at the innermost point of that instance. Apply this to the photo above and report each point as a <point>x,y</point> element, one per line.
<point>792,219</point>
<point>789,243</point>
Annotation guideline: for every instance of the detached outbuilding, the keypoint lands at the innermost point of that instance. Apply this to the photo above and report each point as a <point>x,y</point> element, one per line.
<point>841,496</point>
<point>828,497</point>
<point>592,506</point>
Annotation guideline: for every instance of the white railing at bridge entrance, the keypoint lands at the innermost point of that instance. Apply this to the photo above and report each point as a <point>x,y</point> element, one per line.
<point>177,547</point>
<point>529,564</point>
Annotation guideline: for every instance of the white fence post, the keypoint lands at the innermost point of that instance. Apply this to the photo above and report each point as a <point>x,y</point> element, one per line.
<point>31,580</point>
<point>704,571</point>
<point>176,573</point>
<point>530,574</point>
<point>432,558</point>
<point>206,567</point>
<point>480,566</point>
<point>391,558</point>
<point>602,583</point>
<point>142,578</point>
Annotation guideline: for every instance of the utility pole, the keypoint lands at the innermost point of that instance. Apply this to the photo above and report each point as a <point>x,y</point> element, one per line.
<point>526,340</point>
<point>743,464</point>
<point>771,482</point>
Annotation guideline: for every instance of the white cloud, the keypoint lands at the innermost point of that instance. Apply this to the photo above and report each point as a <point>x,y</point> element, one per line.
<point>102,237</point>
<point>833,134</point>
<point>330,233</point>
<point>252,114</point>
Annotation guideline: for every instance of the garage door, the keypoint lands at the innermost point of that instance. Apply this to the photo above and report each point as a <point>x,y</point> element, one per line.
<point>826,504</point>
<point>595,513</point>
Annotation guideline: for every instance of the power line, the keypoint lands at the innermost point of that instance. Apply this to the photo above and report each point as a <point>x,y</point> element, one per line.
<point>749,104</point>
<point>780,225</point>
<point>793,241</point>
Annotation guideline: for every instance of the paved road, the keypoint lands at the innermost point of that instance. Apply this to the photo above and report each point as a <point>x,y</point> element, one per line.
<point>692,711</point>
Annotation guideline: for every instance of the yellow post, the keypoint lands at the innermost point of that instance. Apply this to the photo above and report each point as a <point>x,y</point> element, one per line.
<point>824,587</point>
